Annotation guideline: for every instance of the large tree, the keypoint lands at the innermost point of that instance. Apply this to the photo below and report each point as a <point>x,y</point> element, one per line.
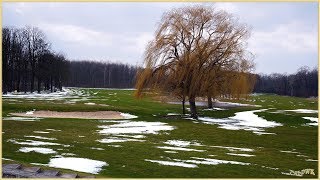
<point>191,43</point>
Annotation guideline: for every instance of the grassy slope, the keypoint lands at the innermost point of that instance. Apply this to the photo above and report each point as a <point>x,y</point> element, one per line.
<point>128,160</point>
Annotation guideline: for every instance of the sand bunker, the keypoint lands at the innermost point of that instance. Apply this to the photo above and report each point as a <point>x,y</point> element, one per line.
<point>78,115</point>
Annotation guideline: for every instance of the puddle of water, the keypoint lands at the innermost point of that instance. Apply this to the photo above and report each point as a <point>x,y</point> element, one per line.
<point>37,149</point>
<point>172,163</point>
<point>179,148</point>
<point>78,164</point>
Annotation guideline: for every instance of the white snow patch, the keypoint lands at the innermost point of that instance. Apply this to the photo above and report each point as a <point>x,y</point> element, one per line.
<point>116,140</point>
<point>213,109</point>
<point>33,143</point>
<point>180,143</point>
<point>30,112</point>
<point>312,160</point>
<point>208,161</point>
<point>37,149</point>
<point>68,154</point>
<point>305,111</point>
<point>234,148</point>
<point>97,148</point>
<point>172,114</point>
<point>172,152</point>
<point>21,118</point>
<point>53,130</point>
<point>78,164</point>
<point>135,127</point>
<point>40,137</point>
<point>90,103</point>
<point>244,155</point>
<point>128,116</point>
<point>179,148</point>
<point>313,119</point>
<point>41,132</point>
<point>245,120</point>
<point>172,163</point>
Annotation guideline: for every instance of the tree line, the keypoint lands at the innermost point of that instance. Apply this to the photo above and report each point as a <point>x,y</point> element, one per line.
<point>100,75</point>
<point>28,62</point>
<point>304,83</point>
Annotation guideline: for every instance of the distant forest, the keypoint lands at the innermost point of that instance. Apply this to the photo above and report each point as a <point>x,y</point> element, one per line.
<point>304,83</point>
<point>30,65</point>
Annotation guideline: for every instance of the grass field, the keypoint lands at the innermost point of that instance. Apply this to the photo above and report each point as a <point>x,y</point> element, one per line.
<point>197,149</point>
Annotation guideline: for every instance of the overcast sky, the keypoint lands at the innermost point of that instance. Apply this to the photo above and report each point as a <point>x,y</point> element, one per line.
<point>284,35</point>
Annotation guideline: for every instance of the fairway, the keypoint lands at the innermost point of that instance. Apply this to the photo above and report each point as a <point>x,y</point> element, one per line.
<point>153,140</point>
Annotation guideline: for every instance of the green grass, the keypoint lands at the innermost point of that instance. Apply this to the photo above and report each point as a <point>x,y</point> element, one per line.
<point>128,160</point>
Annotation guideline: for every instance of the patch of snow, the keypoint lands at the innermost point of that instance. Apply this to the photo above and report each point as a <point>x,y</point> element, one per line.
<point>78,164</point>
<point>180,143</point>
<point>313,119</point>
<point>172,163</point>
<point>97,148</point>
<point>116,140</point>
<point>53,130</point>
<point>305,111</point>
<point>40,137</point>
<point>21,118</point>
<point>312,160</point>
<point>245,120</point>
<point>213,109</point>
<point>234,148</point>
<point>244,155</point>
<point>30,112</point>
<point>172,152</point>
<point>37,149</point>
<point>173,114</point>
<point>128,116</point>
<point>135,127</point>
<point>179,148</point>
<point>68,154</point>
<point>41,132</point>
<point>33,143</point>
<point>7,159</point>
<point>208,161</point>
<point>90,103</point>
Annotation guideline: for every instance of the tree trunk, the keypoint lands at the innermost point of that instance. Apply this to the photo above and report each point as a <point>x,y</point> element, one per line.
<point>210,102</point>
<point>183,105</point>
<point>32,81</point>
<point>193,108</point>
<point>39,85</point>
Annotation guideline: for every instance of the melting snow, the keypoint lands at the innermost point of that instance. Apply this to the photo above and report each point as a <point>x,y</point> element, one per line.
<point>244,155</point>
<point>30,112</point>
<point>97,148</point>
<point>115,139</point>
<point>182,143</point>
<point>234,148</point>
<point>208,161</point>
<point>135,127</point>
<point>37,149</point>
<point>21,118</point>
<point>172,163</point>
<point>40,137</point>
<point>78,164</point>
<point>179,148</point>
<point>33,143</point>
<point>128,116</point>
<point>306,111</point>
<point>41,132</point>
<point>90,103</point>
<point>245,120</point>
<point>313,119</point>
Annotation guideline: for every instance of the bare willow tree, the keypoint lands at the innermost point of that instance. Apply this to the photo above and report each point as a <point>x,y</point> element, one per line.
<point>189,45</point>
